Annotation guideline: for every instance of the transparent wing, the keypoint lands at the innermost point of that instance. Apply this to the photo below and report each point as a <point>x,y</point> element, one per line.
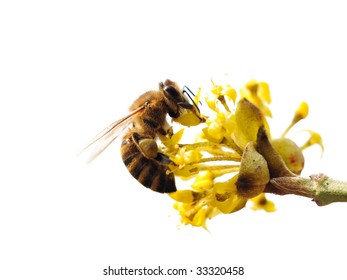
<point>109,134</point>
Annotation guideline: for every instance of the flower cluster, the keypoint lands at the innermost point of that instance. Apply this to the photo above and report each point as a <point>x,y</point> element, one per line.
<point>223,161</point>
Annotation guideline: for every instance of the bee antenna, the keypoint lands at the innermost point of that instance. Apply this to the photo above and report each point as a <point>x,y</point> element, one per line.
<point>189,93</point>
<point>187,89</point>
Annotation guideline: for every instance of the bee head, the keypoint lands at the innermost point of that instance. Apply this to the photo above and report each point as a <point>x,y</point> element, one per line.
<point>181,106</point>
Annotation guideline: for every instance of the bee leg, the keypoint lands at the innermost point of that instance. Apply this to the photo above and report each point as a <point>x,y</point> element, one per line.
<point>170,132</point>
<point>162,131</point>
<point>166,132</point>
<point>164,159</point>
<point>148,148</point>
<point>166,129</point>
<point>185,105</point>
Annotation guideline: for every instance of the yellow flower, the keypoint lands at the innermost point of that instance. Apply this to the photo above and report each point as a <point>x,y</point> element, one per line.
<point>184,157</point>
<point>226,198</point>
<point>249,118</point>
<point>226,91</point>
<point>194,213</point>
<point>172,142</point>
<point>223,160</point>
<point>188,119</point>
<point>186,196</point>
<point>203,181</point>
<point>219,127</point>
<point>230,93</point>
<point>314,139</point>
<point>216,89</point>
<point>211,102</point>
<point>260,202</point>
<point>258,93</point>
<point>300,114</point>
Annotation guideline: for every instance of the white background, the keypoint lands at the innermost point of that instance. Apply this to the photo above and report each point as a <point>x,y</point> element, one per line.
<point>69,68</point>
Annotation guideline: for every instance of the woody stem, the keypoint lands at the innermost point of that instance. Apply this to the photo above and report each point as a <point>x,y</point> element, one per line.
<point>321,188</point>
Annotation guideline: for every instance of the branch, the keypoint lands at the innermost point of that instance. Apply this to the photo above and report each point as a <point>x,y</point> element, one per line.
<point>321,188</point>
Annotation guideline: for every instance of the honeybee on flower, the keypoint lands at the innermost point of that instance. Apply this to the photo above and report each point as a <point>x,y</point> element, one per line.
<point>233,157</point>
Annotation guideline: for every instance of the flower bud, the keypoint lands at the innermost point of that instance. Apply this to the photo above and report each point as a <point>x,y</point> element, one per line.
<point>254,173</point>
<point>290,153</point>
<point>301,112</point>
<point>249,119</point>
<point>274,160</point>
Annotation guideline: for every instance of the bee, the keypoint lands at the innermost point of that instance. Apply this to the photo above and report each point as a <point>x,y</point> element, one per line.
<point>147,122</point>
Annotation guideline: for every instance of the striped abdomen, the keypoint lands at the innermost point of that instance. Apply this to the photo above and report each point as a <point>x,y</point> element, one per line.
<point>149,172</point>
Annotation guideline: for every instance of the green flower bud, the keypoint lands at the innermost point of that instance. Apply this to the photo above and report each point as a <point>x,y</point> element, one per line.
<point>290,153</point>
<point>254,173</point>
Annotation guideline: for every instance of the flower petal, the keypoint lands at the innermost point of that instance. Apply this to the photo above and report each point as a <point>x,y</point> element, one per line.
<point>260,202</point>
<point>226,198</point>
<point>248,119</point>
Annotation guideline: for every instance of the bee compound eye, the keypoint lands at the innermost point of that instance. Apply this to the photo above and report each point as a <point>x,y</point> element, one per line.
<point>149,148</point>
<point>171,92</point>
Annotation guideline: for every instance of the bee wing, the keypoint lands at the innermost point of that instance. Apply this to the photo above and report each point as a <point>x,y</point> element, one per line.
<point>105,138</point>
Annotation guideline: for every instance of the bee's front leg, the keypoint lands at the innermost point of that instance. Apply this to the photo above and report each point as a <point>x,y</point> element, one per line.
<point>165,130</point>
